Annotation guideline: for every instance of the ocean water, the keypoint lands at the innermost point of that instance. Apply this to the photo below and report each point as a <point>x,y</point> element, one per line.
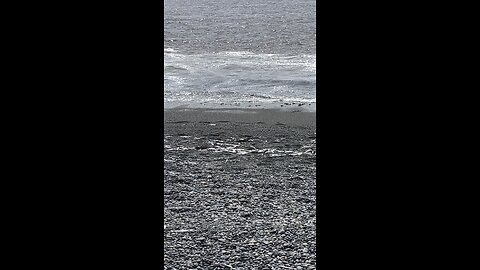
<point>243,53</point>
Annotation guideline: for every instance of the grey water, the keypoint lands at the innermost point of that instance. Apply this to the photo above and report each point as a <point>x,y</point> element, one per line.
<point>239,53</point>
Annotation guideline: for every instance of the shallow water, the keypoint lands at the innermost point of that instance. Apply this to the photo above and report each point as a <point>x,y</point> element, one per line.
<point>239,53</point>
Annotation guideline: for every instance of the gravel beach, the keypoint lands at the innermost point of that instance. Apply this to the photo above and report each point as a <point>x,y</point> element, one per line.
<point>239,189</point>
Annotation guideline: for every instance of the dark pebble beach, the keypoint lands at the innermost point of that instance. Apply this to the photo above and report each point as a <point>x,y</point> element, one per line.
<point>239,189</point>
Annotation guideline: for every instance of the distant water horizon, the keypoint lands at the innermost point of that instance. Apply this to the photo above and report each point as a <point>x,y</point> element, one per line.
<point>246,53</point>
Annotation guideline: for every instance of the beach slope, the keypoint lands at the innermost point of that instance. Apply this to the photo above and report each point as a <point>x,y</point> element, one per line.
<point>239,189</point>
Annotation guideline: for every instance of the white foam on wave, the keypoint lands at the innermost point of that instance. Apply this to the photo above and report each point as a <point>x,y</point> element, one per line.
<point>169,50</point>
<point>240,53</point>
<point>237,149</point>
<point>231,77</point>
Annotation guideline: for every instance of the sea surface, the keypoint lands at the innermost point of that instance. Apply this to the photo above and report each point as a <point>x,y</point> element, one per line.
<point>240,53</point>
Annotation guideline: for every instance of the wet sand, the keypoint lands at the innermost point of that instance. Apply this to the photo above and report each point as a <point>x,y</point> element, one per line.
<point>239,189</point>
<point>290,117</point>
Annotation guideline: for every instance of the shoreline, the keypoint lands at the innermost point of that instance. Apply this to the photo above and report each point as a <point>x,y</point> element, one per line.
<point>287,117</point>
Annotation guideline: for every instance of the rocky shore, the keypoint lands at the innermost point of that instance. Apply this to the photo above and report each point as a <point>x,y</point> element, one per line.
<point>239,189</point>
